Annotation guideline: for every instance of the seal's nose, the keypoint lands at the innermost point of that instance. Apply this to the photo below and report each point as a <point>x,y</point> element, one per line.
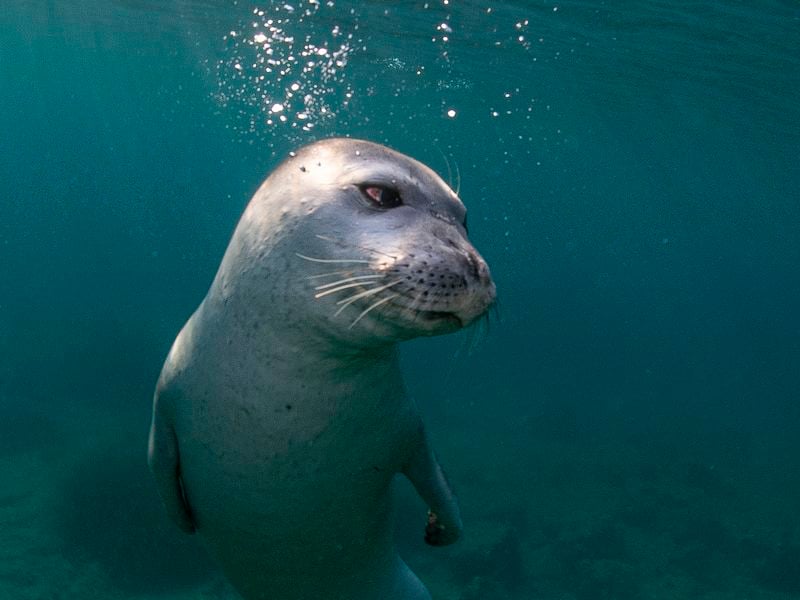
<point>477,268</point>
<point>474,263</point>
<point>483,291</point>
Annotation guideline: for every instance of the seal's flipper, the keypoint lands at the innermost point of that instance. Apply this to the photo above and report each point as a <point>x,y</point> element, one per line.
<point>444,517</point>
<point>164,461</point>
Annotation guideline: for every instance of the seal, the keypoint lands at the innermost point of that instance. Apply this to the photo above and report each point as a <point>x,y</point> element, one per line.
<point>280,417</point>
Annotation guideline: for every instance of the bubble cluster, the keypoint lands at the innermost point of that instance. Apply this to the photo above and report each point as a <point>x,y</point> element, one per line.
<point>283,68</point>
<point>311,68</point>
<point>521,28</point>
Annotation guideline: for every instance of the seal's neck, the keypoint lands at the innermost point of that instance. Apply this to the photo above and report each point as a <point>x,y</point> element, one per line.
<point>290,348</point>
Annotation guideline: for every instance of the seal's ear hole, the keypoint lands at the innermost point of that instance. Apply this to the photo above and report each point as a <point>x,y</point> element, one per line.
<point>381,196</point>
<point>466,229</point>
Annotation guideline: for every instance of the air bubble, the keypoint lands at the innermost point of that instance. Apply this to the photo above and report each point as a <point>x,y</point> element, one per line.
<point>275,52</point>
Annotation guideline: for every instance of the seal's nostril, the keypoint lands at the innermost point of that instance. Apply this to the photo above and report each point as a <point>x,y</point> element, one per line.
<point>474,264</point>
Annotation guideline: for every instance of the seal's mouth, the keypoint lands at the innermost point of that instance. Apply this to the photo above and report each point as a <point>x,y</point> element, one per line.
<point>433,316</point>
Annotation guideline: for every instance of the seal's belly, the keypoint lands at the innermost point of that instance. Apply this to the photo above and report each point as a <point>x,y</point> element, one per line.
<point>253,468</point>
<point>274,504</point>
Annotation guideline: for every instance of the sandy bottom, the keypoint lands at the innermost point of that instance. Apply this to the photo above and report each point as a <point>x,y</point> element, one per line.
<point>554,516</point>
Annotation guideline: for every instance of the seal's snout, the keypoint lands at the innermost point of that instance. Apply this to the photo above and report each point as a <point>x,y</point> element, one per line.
<point>478,291</point>
<point>446,281</point>
<point>481,291</point>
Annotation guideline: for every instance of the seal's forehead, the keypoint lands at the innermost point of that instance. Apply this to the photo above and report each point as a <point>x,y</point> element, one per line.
<point>345,161</point>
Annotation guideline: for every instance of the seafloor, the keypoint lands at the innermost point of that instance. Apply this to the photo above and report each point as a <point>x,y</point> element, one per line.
<point>551,513</point>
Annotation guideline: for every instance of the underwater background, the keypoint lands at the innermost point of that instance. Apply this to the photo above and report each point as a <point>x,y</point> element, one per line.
<point>629,428</point>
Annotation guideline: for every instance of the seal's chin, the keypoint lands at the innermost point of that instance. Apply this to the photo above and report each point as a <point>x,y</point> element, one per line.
<point>427,322</point>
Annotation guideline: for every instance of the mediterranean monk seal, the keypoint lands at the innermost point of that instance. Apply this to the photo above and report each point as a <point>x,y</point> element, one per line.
<point>280,416</point>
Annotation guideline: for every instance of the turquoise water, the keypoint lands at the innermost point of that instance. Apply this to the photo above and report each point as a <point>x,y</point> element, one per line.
<point>627,429</point>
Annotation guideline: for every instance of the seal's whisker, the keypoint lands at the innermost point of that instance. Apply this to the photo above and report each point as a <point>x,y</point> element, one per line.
<point>486,321</point>
<point>348,301</point>
<point>461,351</point>
<point>348,280</point>
<point>477,333</point>
<point>345,305</point>
<point>417,300</point>
<point>494,312</point>
<point>411,309</point>
<point>335,273</point>
<point>371,307</point>
<point>458,177</point>
<point>457,188</point>
<point>369,292</point>
<point>331,260</point>
<point>447,164</point>
<point>342,287</point>
<point>346,244</point>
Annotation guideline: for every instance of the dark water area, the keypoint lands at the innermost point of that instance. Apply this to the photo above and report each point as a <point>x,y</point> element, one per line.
<point>628,427</point>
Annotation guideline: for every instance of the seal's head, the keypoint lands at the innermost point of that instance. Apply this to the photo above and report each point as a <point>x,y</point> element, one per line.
<point>374,240</point>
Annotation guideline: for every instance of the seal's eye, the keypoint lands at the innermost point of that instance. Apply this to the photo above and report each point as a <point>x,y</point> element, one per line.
<point>381,196</point>
<point>465,224</point>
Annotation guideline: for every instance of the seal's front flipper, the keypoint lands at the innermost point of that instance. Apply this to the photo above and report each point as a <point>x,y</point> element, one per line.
<point>444,518</point>
<point>163,458</point>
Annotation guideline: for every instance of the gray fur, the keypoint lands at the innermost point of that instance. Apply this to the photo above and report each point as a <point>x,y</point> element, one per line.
<point>279,418</point>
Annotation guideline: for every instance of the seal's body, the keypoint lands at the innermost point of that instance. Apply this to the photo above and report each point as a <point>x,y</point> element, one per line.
<point>280,417</point>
